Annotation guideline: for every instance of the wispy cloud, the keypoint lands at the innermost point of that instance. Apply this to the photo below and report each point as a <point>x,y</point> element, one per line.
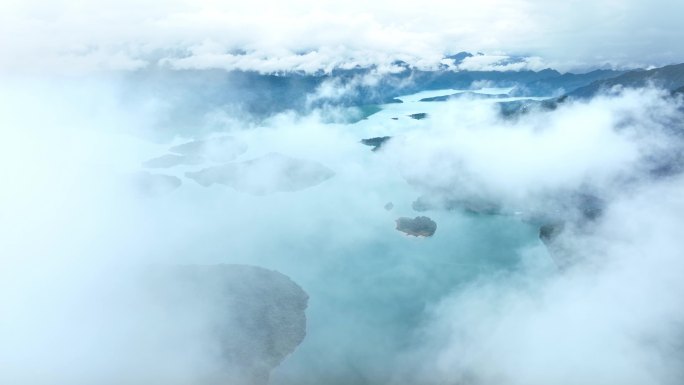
<point>317,36</point>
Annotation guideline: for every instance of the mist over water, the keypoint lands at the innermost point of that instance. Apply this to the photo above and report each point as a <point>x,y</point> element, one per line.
<point>482,301</point>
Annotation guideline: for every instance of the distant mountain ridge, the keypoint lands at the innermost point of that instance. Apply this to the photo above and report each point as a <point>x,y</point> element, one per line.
<point>258,96</point>
<point>669,77</point>
<point>566,82</point>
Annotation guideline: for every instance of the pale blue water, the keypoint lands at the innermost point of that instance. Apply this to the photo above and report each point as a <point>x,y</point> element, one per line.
<point>369,285</point>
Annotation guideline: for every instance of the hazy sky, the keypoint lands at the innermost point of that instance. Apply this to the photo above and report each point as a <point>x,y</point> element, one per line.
<point>77,35</point>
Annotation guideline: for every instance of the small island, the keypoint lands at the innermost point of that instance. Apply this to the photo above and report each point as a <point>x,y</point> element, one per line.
<point>418,116</point>
<point>418,226</point>
<point>464,95</point>
<point>268,174</point>
<point>217,149</point>
<point>376,143</point>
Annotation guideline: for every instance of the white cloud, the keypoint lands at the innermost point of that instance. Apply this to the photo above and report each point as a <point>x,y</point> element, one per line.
<point>614,319</point>
<point>501,63</point>
<point>615,315</point>
<point>206,34</point>
<point>469,151</point>
<point>67,216</point>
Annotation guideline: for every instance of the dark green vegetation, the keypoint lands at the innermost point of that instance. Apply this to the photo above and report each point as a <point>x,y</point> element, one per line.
<point>518,107</point>
<point>669,77</point>
<point>377,142</point>
<point>418,226</point>
<point>365,112</point>
<point>418,116</point>
<point>192,95</point>
<point>550,231</point>
<point>562,84</point>
<point>472,206</point>
<point>255,316</point>
<point>465,95</point>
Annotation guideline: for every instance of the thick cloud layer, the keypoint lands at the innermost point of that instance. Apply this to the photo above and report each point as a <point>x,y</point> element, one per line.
<point>301,35</point>
<point>479,302</point>
<point>600,146</point>
<point>614,315</point>
<point>615,318</point>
